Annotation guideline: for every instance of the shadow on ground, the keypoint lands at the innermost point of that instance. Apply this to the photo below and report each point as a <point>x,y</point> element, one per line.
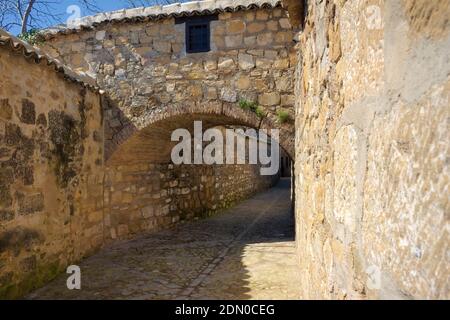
<point>247,252</point>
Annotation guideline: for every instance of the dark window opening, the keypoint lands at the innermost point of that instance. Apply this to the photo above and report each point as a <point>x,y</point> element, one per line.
<point>198,32</point>
<point>197,37</point>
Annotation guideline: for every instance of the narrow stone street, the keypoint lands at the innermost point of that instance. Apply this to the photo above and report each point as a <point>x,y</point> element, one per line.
<point>247,252</point>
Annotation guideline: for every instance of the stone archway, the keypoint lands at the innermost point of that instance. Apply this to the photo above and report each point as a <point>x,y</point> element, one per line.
<point>145,191</point>
<point>147,136</point>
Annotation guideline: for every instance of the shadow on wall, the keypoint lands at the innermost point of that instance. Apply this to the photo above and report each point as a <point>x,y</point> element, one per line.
<point>120,202</point>
<point>146,137</point>
<point>143,191</point>
<point>240,254</point>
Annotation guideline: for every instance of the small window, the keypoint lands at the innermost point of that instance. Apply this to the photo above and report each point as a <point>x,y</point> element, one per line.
<point>197,32</point>
<point>197,37</point>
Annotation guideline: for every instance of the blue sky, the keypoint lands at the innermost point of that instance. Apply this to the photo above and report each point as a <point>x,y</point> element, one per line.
<point>104,5</point>
<point>61,6</point>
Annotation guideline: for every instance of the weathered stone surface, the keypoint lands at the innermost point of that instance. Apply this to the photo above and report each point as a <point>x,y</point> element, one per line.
<point>32,157</point>
<point>371,153</point>
<point>100,35</point>
<point>416,225</point>
<point>226,64</point>
<point>235,26</point>
<point>136,74</point>
<point>281,64</point>
<point>264,39</point>
<point>246,61</point>
<point>256,27</point>
<point>145,194</point>
<point>233,41</point>
<point>283,84</point>
<point>162,46</point>
<point>5,109</point>
<point>41,120</point>
<point>263,63</point>
<point>269,99</point>
<point>272,25</point>
<point>210,65</point>
<point>211,93</point>
<point>204,258</point>
<point>370,209</point>
<point>6,215</point>
<point>285,24</point>
<point>287,100</point>
<point>297,12</point>
<point>28,114</point>
<point>345,201</point>
<point>250,41</point>
<point>262,15</point>
<point>243,83</point>
<point>30,204</point>
<point>228,95</point>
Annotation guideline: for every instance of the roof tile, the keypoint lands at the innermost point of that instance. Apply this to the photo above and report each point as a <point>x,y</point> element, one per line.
<point>29,52</point>
<point>161,12</point>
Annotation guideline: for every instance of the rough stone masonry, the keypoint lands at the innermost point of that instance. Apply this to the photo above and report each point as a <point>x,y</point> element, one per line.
<point>68,189</point>
<point>139,57</point>
<point>51,167</point>
<point>59,202</point>
<point>372,149</point>
<point>367,84</point>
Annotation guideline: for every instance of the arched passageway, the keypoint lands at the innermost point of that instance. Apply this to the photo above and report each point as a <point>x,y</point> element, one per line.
<point>149,139</point>
<point>245,252</point>
<point>77,202</point>
<point>145,191</point>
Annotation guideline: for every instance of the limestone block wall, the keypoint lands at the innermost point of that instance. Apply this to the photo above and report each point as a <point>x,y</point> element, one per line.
<point>147,197</point>
<point>372,148</point>
<point>51,172</point>
<point>145,67</point>
<point>59,199</point>
<point>60,202</point>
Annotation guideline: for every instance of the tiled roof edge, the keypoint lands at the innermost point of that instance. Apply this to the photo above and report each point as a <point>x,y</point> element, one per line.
<point>176,10</point>
<point>32,53</point>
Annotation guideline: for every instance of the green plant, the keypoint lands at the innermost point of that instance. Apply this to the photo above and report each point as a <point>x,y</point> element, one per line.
<point>260,112</point>
<point>283,116</point>
<point>248,105</point>
<point>252,106</point>
<point>33,37</point>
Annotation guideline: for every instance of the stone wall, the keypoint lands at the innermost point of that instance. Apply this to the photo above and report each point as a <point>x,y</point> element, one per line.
<point>51,171</point>
<point>59,200</point>
<point>371,145</point>
<point>147,197</point>
<point>144,66</point>
<point>371,163</point>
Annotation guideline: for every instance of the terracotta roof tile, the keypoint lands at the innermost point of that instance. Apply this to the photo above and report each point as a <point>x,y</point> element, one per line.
<point>161,12</point>
<point>32,53</point>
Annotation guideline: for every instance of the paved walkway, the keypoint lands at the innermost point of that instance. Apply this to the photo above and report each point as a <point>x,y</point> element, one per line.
<point>247,252</point>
